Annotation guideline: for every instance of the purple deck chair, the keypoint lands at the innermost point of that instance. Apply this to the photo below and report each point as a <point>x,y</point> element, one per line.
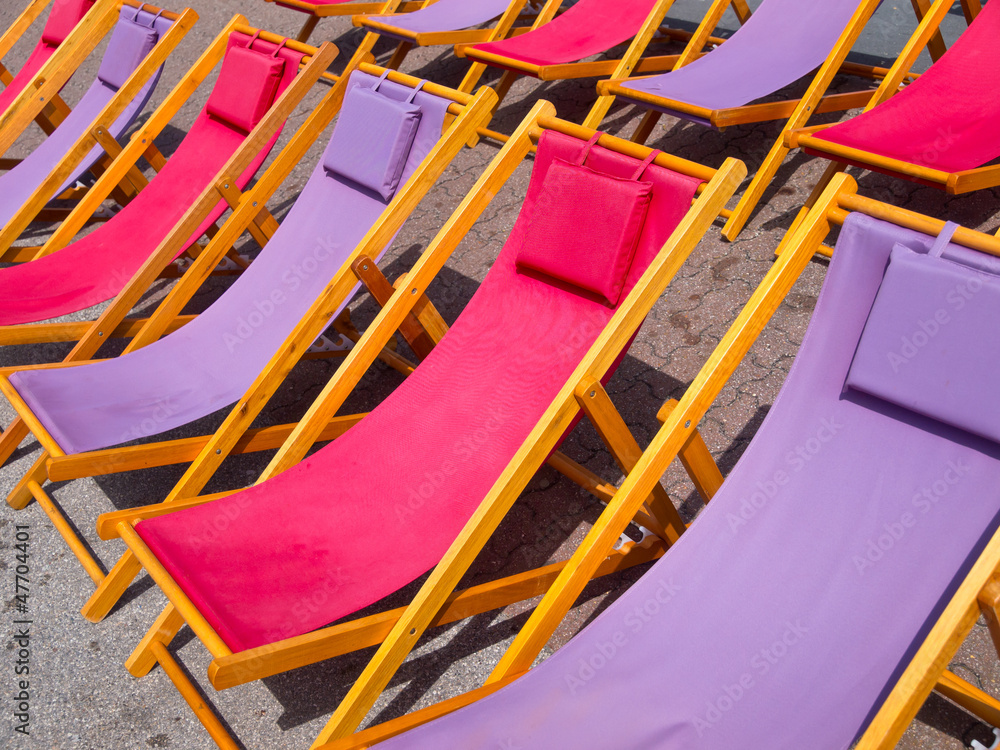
<point>750,66</point>
<point>444,15</point>
<point>212,361</point>
<point>132,39</point>
<point>786,613</point>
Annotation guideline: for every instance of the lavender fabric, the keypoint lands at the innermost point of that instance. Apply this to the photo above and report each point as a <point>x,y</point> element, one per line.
<point>130,42</point>
<point>933,355</point>
<point>790,607</point>
<point>750,65</point>
<point>446,15</point>
<point>372,140</point>
<point>18,184</point>
<point>212,361</point>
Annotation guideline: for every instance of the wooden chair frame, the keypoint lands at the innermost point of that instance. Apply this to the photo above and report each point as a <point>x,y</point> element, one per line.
<point>633,61</point>
<point>124,168</point>
<point>92,335</point>
<point>8,39</point>
<point>39,101</point>
<point>205,453</point>
<point>796,112</point>
<point>97,134</point>
<point>317,11</point>
<point>503,28</point>
<point>979,593</point>
<point>438,602</point>
<point>928,36</point>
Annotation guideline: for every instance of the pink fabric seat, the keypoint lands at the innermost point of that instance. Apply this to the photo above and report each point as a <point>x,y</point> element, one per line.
<point>63,18</point>
<point>97,266</point>
<point>378,507</point>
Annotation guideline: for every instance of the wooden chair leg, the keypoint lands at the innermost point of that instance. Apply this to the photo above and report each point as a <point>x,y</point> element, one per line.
<point>20,496</point>
<point>832,170</point>
<point>969,697</point>
<point>753,194</point>
<point>971,9</point>
<point>696,459</point>
<point>597,405</point>
<point>307,28</point>
<point>69,535</point>
<point>399,55</point>
<point>111,588</point>
<point>936,45</point>
<point>195,700</point>
<point>989,605</point>
<point>646,125</point>
<point>11,438</point>
<point>163,631</point>
<point>152,650</point>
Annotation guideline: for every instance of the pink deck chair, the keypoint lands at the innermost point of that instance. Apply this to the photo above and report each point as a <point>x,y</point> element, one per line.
<point>96,267</point>
<point>63,17</point>
<point>405,472</point>
<point>941,130</point>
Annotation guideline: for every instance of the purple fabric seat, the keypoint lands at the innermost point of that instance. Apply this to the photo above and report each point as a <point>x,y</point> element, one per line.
<point>787,611</point>
<point>750,65</point>
<point>446,15</point>
<point>18,184</point>
<point>212,361</point>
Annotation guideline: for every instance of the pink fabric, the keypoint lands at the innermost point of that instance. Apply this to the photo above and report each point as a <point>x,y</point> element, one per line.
<point>97,266</point>
<point>379,506</point>
<point>598,258</point>
<point>317,2</point>
<point>587,28</point>
<point>63,18</point>
<point>246,87</point>
<point>948,118</point>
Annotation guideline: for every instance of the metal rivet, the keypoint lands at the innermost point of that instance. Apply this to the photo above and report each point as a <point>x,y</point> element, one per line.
<point>100,333</point>
<point>364,267</point>
<point>226,186</point>
<point>255,204</point>
<point>413,291</point>
<point>218,451</point>
<point>593,394</point>
<point>413,631</point>
<point>687,424</point>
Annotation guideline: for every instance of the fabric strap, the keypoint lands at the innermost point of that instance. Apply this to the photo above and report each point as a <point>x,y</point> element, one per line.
<point>639,170</point>
<point>943,239</point>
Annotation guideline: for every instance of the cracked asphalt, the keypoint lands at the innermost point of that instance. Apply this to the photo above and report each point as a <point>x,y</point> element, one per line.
<point>80,694</point>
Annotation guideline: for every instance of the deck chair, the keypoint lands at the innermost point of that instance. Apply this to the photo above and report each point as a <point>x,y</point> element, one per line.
<point>229,139</point>
<point>506,383</point>
<point>140,43</point>
<point>63,18</point>
<point>318,9</point>
<point>864,516</point>
<point>938,131</point>
<point>218,358</point>
<point>718,89</point>
<point>553,48</point>
<point>447,22</point>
